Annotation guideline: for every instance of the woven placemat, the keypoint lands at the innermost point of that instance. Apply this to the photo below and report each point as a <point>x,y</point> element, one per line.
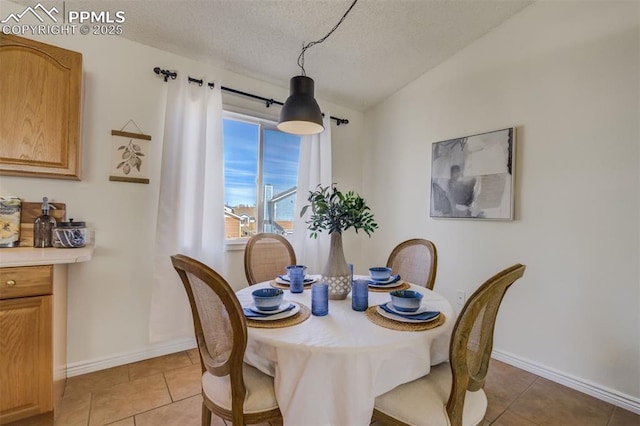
<point>276,284</point>
<point>402,286</point>
<point>301,316</point>
<point>385,322</point>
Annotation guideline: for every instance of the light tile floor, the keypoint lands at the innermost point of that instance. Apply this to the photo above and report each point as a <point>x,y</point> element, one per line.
<point>166,391</point>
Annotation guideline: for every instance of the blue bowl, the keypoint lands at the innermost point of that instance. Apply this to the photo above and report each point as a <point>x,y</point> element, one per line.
<point>267,299</point>
<point>406,300</point>
<point>379,273</point>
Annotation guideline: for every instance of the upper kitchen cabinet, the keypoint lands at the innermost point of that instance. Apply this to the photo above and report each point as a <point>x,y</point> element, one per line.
<point>40,106</point>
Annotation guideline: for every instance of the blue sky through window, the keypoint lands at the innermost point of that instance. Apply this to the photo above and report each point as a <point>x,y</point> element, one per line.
<point>241,156</point>
<point>280,160</point>
<point>240,162</point>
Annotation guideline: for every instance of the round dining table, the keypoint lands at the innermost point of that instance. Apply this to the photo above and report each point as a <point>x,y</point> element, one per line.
<point>328,370</point>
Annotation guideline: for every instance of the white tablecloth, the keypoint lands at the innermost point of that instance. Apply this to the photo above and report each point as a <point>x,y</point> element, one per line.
<point>328,370</point>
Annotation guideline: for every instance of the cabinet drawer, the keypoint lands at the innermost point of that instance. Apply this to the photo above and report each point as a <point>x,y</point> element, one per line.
<point>25,281</point>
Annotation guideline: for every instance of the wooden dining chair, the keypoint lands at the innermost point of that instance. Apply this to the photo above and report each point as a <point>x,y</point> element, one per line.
<point>266,256</point>
<point>231,389</point>
<point>416,261</point>
<point>452,394</point>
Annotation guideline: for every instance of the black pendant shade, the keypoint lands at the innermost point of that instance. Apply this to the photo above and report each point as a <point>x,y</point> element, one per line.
<point>301,114</point>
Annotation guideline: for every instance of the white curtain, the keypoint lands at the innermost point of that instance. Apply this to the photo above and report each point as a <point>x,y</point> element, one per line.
<point>191,204</point>
<point>314,168</point>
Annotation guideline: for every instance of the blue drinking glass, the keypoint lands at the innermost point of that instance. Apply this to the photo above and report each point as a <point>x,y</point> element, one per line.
<point>360,295</point>
<point>296,278</point>
<point>320,299</point>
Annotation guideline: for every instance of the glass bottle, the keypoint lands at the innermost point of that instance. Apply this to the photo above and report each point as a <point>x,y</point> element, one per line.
<point>43,227</point>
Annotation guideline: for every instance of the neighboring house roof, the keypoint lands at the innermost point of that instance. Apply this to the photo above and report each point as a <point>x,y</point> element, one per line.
<point>245,210</point>
<point>232,215</point>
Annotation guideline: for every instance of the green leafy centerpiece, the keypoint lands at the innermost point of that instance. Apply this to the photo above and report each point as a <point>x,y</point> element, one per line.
<point>335,212</point>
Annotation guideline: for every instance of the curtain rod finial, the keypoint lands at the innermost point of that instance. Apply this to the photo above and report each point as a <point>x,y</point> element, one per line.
<point>165,73</point>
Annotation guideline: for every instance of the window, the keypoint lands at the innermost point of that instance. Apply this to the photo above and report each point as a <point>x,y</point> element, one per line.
<point>260,176</point>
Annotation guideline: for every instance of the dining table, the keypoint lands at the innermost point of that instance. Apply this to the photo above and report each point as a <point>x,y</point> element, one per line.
<point>329,369</point>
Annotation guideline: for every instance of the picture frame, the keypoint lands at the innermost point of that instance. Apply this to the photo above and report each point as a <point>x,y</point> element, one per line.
<point>129,161</point>
<point>473,177</point>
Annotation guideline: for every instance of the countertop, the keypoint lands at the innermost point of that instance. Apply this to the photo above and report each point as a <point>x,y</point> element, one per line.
<point>31,256</point>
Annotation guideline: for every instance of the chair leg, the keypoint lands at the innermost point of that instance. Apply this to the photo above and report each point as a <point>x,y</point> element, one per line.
<point>206,416</point>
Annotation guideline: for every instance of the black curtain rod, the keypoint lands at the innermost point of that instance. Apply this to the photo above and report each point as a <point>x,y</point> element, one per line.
<point>267,102</point>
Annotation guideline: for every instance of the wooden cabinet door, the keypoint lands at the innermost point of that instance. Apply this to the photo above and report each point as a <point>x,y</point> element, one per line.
<point>25,357</point>
<point>40,101</point>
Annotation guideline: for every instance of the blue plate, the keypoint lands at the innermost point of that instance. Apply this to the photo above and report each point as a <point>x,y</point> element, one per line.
<point>391,280</point>
<point>307,279</point>
<point>253,312</point>
<point>294,309</point>
<point>423,317</point>
<point>421,310</point>
<point>285,305</point>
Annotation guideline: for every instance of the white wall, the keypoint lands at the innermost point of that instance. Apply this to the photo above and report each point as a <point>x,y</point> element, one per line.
<point>566,74</point>
<point>109,297</point>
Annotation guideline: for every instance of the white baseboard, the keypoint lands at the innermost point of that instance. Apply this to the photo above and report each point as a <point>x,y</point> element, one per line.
<point>603,393</point>
<point>165,348</point>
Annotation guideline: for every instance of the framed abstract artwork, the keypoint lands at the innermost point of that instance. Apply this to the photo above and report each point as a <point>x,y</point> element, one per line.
<point>472,177</point>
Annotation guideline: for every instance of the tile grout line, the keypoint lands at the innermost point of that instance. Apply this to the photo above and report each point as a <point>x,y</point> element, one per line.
<point>166,385</point>
<point>186,397</point>
<point>522,393</point>
<point>517,398</point>
<point>611,416</point>
<point>162,371</point>
<point>170,397</point>
<point>130,381</point>
<point>514,400</point>
<point>90,407</point>
<point>155,408</point>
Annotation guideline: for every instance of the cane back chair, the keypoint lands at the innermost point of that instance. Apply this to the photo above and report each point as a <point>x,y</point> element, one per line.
<point>416,260</point>
<point>231,389</point>
<point>266,256</point>
<point>451,394</point>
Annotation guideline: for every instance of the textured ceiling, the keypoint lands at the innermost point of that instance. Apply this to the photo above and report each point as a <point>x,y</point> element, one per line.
<point>380,47</point>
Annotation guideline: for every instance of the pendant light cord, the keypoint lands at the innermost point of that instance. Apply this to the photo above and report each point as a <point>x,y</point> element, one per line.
<point>313,43</point>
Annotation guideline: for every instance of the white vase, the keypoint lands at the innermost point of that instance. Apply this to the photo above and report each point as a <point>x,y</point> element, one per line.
<point>336,271</point>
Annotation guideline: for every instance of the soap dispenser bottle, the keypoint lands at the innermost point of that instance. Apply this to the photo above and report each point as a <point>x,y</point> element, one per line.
<point>43,227</point>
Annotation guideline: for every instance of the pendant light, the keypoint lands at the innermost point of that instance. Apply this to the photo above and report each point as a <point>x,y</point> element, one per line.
<point>300,113</point>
